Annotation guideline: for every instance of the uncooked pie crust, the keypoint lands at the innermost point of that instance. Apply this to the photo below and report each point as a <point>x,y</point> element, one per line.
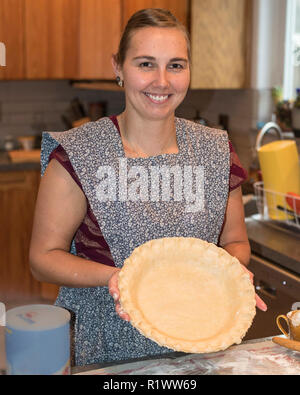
<point>187,294</point>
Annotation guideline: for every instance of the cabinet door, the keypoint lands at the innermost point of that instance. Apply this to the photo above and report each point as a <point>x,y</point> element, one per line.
<point>180,8</point>
<point>220,43</point>
<point>18,192</point>
<point>51,38</point>
<point>11,34</point>
<point>99,30</point>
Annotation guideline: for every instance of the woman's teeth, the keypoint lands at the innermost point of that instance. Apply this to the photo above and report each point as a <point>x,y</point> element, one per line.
<point>158,98</point>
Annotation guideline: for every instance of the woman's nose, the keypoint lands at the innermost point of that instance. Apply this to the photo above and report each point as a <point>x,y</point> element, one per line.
<point>162,79</point>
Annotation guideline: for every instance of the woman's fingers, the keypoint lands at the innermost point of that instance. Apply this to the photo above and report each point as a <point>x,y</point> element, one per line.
<point>114,292</point>
<point>113,284</point>
<point>121,312</point>
<point>260,303</point>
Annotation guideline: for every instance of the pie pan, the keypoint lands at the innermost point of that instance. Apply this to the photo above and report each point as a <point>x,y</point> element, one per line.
<point>187,294</point>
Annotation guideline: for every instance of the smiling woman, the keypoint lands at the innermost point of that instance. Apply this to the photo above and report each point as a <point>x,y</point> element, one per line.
<point>80,241</point>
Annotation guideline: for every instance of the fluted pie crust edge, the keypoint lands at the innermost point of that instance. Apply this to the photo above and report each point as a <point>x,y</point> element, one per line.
<point>187,294</point>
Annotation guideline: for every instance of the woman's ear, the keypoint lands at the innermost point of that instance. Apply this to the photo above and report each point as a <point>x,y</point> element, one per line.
<point>116,67</point>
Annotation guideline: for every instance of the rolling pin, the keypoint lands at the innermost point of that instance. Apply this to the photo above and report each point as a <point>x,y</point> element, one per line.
<point>288,343</point>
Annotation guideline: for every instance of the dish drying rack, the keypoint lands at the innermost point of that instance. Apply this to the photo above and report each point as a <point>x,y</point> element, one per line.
<point>272,206</point>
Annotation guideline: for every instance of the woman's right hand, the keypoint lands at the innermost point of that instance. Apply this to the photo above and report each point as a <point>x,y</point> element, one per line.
<point>114,292</point>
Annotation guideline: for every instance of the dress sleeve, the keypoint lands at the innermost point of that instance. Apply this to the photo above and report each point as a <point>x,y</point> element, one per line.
<point>62,157</point>
<point>237,173</point>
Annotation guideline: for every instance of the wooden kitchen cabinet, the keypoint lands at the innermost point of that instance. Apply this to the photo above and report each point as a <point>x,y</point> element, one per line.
<point>12,35</point>
<point>67,39</point>
<point>41,39</point>
<point>18,191</point>
<point>220,36</point>
<point>71,39</point>
<point>51,39</point>
<point>99,35</point>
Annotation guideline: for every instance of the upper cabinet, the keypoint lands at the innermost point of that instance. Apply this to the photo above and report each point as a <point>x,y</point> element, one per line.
<point>51,36</point>
<point>40,38</point>
<point>12,35</point>
<point>75,39</point>
<point>220,35</point>
<point>59,39</point>
<point>99,35</point>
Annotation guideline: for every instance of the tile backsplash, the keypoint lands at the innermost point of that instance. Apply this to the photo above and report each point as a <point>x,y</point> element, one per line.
<point>30,107</point>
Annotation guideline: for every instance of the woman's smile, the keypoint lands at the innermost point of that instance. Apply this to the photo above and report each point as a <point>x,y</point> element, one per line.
<point>157,98</point>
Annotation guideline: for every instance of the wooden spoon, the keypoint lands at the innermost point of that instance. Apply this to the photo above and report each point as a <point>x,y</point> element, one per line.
<point>288,343</point>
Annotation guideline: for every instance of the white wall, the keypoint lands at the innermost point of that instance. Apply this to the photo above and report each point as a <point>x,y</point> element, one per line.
<point>268,43</point>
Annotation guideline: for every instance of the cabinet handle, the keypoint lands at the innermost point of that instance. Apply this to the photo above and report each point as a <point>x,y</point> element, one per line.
<point>266,289</point>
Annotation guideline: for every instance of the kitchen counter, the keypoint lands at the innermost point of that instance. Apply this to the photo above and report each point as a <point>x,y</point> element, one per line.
<point>7,165</point>
<point>256,357</point>
<point>277,243</point>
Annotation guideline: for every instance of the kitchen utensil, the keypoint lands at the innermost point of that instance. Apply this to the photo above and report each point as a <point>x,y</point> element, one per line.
<point>97,110</point>
<point>78,108</point>
<point>279,164</point>
<point>74,114</point>
<point>37,340</point>
<point>293,200</point>
<point>288,343</point>
<point>66,120</point>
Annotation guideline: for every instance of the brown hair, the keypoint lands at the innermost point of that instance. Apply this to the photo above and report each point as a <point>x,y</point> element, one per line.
<point>149,17</point>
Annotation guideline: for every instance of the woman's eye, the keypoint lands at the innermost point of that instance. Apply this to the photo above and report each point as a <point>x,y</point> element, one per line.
<point>176,66</point>
<point>146,65</point>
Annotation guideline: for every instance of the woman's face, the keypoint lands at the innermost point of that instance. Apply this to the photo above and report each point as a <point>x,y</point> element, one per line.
<point>156,72</point>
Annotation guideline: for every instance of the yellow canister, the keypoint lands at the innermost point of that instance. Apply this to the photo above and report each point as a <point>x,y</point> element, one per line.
<point>279,163</point>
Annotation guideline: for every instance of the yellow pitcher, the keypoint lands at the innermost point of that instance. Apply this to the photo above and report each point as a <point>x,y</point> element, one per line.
<point>279,163</point>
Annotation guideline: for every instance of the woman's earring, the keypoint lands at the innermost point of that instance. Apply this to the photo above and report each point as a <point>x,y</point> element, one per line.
<point>120,82</point>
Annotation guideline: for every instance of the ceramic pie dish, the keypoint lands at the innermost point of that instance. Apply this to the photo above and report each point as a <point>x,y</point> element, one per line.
<point>187,294</point>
